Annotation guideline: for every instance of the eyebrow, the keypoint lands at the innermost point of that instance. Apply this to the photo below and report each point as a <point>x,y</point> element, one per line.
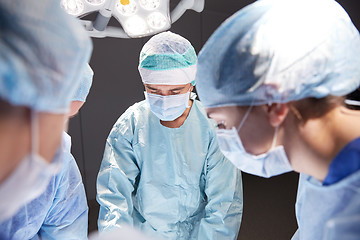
<point>174,89</point>
<point>177,89</point>
<point>151,88</point>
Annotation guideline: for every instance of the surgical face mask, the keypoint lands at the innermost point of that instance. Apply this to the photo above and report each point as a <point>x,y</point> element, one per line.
<point>168,108</point>
<point>29,179</point>
<point>269,164</point>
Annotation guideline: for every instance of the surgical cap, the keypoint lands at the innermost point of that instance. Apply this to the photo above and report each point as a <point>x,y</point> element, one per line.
<point>280,51</point>
<point>169,59</point>
<point>43,52</point>
<point>85,85</point>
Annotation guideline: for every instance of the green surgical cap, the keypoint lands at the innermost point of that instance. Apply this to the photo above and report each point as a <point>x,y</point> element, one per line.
<point>167,58</point>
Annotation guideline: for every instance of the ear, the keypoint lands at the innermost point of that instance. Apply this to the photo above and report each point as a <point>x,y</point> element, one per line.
<point>277,113</point>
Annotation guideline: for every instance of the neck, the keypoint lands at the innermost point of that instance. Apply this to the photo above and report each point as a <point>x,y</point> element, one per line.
<point>315,143</point>
<point>180,120</point>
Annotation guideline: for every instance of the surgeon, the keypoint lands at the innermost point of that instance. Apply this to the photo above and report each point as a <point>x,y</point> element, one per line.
<point>43,52</point>
<point>162,171</point>
<point>61,211</point>
<point>274,76</point>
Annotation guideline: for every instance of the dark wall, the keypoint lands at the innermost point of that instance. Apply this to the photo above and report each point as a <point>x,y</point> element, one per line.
<point>268,203</point>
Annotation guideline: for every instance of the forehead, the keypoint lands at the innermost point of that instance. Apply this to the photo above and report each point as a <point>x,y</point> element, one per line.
<point>165,87</point>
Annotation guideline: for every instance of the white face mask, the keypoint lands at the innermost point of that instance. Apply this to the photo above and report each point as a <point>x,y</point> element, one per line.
<point>269,164</point>
<point>29,179</point>
<point>168,108</point>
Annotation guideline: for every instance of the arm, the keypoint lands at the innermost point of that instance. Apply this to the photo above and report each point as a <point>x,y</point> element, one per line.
<point>68,215</point>
<point>115,182</point>
<point>224,194</point>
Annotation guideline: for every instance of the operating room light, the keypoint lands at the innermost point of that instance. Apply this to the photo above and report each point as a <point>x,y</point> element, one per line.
<point>150,4</point>
<point>95,2</point>
<point>156,20</point>
<point>138,18</point>
<point>128,9</point>
<point>135,26</point>
<point>73,7</point>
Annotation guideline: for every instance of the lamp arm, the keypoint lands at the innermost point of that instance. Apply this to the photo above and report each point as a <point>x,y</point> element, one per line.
<point>183,5</point>
<point>115,32</point>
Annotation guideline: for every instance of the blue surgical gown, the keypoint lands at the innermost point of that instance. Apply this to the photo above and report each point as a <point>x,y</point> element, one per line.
<point>171,182</point>
<point>60,212</point>
<point>331,210</point>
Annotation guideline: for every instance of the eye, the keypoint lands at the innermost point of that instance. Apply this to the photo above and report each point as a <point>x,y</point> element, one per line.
<point>153,91</point>
<point>221,125</point>
<point>175,92</point>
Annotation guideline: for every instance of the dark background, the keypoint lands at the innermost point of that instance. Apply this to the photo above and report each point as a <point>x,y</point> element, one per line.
<point>268,203</point>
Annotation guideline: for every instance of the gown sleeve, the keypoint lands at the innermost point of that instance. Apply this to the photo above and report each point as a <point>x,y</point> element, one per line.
<point>115,182</point>
<point>68,216</point>
<point>223,190</point>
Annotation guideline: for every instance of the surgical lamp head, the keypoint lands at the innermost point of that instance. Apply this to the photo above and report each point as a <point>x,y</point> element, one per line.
<point>138,18</point>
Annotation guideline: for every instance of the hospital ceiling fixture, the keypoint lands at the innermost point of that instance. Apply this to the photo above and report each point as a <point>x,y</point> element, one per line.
<point>138,18</point>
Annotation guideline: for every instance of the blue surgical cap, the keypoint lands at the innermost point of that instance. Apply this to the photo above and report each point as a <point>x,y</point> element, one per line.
<point>43,52</point>
<point>169,59</point>
<point>280,51</point>
<point>85,85</point>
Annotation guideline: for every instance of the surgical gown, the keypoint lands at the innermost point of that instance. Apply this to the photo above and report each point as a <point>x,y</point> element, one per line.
<point>61,212</point>
<point>169,182</point>
<point>331,212</point>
